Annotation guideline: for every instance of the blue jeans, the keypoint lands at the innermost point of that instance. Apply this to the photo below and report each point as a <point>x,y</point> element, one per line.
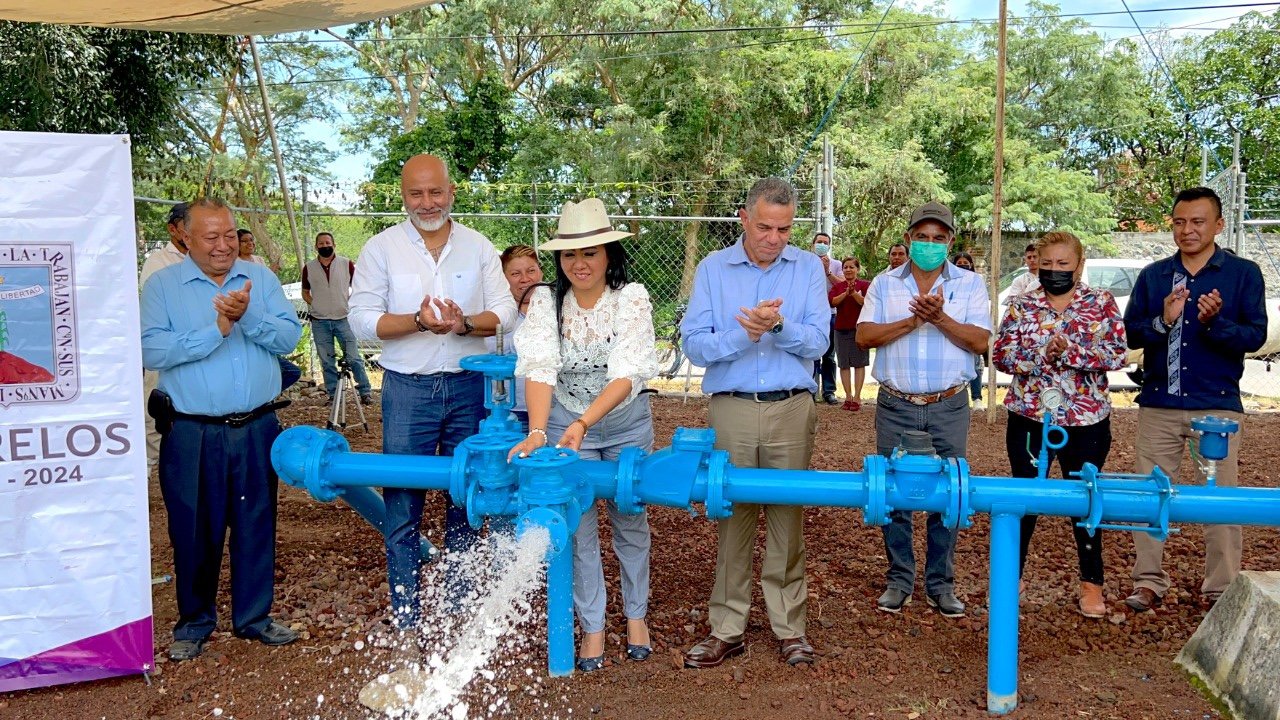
<point>425,415</point>
<point>324,332</point>
<point>948,422</point>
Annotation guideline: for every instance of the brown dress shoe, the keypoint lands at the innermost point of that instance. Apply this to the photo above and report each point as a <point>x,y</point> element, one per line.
<point>1092,604</point>
<point>712,652</point>
<point>797,650</point>
<point>1143,599</point>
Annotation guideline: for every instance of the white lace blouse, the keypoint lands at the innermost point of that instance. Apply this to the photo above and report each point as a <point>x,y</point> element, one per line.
<point>610,341</point>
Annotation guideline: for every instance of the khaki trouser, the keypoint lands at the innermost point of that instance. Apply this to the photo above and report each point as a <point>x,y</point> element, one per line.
<point>150,379</point>
<point>1162,435</point>
<point>766,435</point>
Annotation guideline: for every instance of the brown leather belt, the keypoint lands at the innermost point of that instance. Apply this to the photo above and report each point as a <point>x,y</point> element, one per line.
<point>924,398</point>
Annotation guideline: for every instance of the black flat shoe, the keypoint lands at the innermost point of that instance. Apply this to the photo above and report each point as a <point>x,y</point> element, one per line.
<point>638,652</point>
<point>590,664</point>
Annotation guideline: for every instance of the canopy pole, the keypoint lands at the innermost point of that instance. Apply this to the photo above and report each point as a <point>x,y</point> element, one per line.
<point>997,202</point>
<point>275,148</point>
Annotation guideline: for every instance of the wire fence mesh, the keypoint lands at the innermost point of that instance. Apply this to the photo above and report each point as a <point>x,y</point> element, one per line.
<point>665,252</point>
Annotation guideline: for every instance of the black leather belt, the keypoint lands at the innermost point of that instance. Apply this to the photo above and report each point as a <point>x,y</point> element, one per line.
<point>763,397</point>
<point>235,420</point>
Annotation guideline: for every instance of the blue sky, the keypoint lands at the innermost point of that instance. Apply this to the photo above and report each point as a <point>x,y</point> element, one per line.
<point>350,168</point>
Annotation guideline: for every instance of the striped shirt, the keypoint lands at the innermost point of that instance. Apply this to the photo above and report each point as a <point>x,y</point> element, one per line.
<point>924,360</point>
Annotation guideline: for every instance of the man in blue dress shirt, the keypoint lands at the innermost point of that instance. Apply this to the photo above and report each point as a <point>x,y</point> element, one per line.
<point>1194,314</point>
<point>758,318</point>
<point>212,325</point>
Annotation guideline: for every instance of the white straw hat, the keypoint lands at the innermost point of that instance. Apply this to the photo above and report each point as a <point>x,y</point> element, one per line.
<point>583,224</point>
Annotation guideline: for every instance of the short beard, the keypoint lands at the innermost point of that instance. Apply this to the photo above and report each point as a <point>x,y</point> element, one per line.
<point>430,225</point>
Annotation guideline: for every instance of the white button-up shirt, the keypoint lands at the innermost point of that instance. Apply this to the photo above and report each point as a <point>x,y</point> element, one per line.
<point>162,258</point>
<point>396,272</point>
<point>924,360</point>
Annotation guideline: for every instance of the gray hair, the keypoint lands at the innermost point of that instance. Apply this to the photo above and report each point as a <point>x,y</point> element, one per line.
<point>208,203</point>
<point>773,190</point>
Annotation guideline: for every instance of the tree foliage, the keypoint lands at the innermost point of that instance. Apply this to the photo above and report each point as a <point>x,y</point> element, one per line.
<point>56,78</point>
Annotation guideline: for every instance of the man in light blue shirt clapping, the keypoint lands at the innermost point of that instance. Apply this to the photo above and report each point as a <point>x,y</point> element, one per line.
<point>758,319</point>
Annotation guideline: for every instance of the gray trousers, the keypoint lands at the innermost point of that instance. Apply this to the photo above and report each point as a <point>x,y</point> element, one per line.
<point>628,426</point>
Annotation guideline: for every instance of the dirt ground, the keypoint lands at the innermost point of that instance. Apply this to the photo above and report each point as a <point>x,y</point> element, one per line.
<point>331,582</point>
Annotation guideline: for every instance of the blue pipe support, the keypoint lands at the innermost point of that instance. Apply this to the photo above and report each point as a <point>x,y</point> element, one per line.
<point>550,487</point>
<point>1002,628</point>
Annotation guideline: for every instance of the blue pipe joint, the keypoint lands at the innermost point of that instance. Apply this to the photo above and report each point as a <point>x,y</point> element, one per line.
<point>630,464</point>
<point>545,482</point>
<point>1097,485</point>
<point>1215,436</point>
<point>557,527</point>
<point>876,468</point>
<point>481,479</point>
<point>299,456</point>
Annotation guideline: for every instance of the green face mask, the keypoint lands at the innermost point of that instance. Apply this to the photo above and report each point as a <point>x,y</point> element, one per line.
<point>928,255</point>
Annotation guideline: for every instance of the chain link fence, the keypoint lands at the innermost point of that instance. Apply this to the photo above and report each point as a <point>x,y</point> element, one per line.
<point>666,249</point>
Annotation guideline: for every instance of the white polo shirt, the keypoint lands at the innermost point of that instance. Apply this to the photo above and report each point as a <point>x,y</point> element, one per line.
<point>396,272</point>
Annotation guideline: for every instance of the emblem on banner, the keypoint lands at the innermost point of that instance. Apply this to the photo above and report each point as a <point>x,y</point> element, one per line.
<point>39,353</point>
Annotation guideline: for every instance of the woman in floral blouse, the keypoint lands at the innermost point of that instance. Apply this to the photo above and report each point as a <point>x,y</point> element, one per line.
<point>1064,335</point>
<point>586,350</point>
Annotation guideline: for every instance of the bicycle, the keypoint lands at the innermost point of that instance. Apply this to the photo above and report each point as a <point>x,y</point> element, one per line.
<point>670,356</point>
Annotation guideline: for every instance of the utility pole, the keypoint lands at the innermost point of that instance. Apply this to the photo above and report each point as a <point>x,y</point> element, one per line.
<point>828,186</point>
<point>997,201</point>
<point>275,148</point>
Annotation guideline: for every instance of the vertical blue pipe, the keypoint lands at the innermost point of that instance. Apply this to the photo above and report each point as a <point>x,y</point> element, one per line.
<point>560,652</point>
<point>1002,629</point>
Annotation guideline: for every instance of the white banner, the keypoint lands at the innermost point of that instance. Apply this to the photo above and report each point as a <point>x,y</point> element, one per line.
<point>75,553</point>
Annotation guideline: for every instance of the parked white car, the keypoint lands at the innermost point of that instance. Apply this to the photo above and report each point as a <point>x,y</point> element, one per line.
<point>1116,275</point>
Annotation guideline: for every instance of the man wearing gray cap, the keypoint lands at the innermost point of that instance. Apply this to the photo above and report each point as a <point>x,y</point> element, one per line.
<point>927,319</point>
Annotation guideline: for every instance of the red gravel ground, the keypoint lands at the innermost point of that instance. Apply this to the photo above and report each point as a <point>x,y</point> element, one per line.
<point>331,582</point>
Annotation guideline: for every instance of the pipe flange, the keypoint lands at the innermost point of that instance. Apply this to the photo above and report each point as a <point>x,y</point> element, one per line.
<point>628,473</point>
<point>876,511</point>
<point>474,518</point>
<point>323,444</point>
<point>951,516</point>
<point>458,473</point>
<point>964,507</point>
<point>1160,528</point>
<point>717,507</point>
<point>1089,475</point>
<point>553,522</point>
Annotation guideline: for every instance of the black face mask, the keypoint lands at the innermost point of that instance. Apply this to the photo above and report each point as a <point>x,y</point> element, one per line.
<point>1057,282</point>
<point>325,251</point>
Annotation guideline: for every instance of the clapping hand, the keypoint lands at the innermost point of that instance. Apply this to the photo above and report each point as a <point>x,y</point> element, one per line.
<point>431,319</point>
<point>1174,302</point>
<point>1209,305</point>
<point>451,313</point>
<point>759,319</point>
<point>1055,347</point>
<point>231,306</point>
<point>928,307</point>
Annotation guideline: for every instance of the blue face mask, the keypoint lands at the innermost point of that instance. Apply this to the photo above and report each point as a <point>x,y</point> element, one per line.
<point>821,249</point>
<point>928,256</point>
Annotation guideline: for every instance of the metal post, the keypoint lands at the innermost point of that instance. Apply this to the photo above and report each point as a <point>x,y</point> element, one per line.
<point>275,148</point>
<point>536,235</point>
<point>1002,628</point>
<point>997,202</point>
<point>828,186</point>
<point>306,210</point>
<point>1204,165</point>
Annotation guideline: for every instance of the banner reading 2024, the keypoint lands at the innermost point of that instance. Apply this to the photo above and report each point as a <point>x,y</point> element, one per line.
<point>75,568</point>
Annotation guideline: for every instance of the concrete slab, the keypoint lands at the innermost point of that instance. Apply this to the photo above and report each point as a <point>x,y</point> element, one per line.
<point>1236,649</point>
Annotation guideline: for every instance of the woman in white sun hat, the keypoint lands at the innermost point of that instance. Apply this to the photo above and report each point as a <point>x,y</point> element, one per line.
<point>586,350</point>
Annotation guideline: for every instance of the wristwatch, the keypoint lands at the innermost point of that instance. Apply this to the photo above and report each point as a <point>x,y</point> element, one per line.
<point>467,326</point>
<point>1161,326</point>
<point>418,321</point>
<point>776,328</point>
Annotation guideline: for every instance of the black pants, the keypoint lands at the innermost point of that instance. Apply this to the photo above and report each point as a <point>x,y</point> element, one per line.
<point>1085,444</point>
<point>824,370</point>
<point>214,478</point>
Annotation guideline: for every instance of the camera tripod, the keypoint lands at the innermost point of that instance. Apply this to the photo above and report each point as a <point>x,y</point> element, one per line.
<point>345,392</point>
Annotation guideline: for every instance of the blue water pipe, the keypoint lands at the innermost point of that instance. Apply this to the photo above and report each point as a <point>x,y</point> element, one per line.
<point>550,488</point>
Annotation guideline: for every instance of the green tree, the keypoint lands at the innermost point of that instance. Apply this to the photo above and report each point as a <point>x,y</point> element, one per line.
<point>56,78</point>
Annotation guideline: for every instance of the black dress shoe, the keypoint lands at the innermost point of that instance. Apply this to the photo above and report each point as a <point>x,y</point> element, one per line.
<point>272,634</point>
<point>182,650</point>
<point>947,604</point>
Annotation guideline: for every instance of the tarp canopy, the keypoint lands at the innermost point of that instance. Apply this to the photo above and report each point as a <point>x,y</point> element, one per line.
<point>223,17</point>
